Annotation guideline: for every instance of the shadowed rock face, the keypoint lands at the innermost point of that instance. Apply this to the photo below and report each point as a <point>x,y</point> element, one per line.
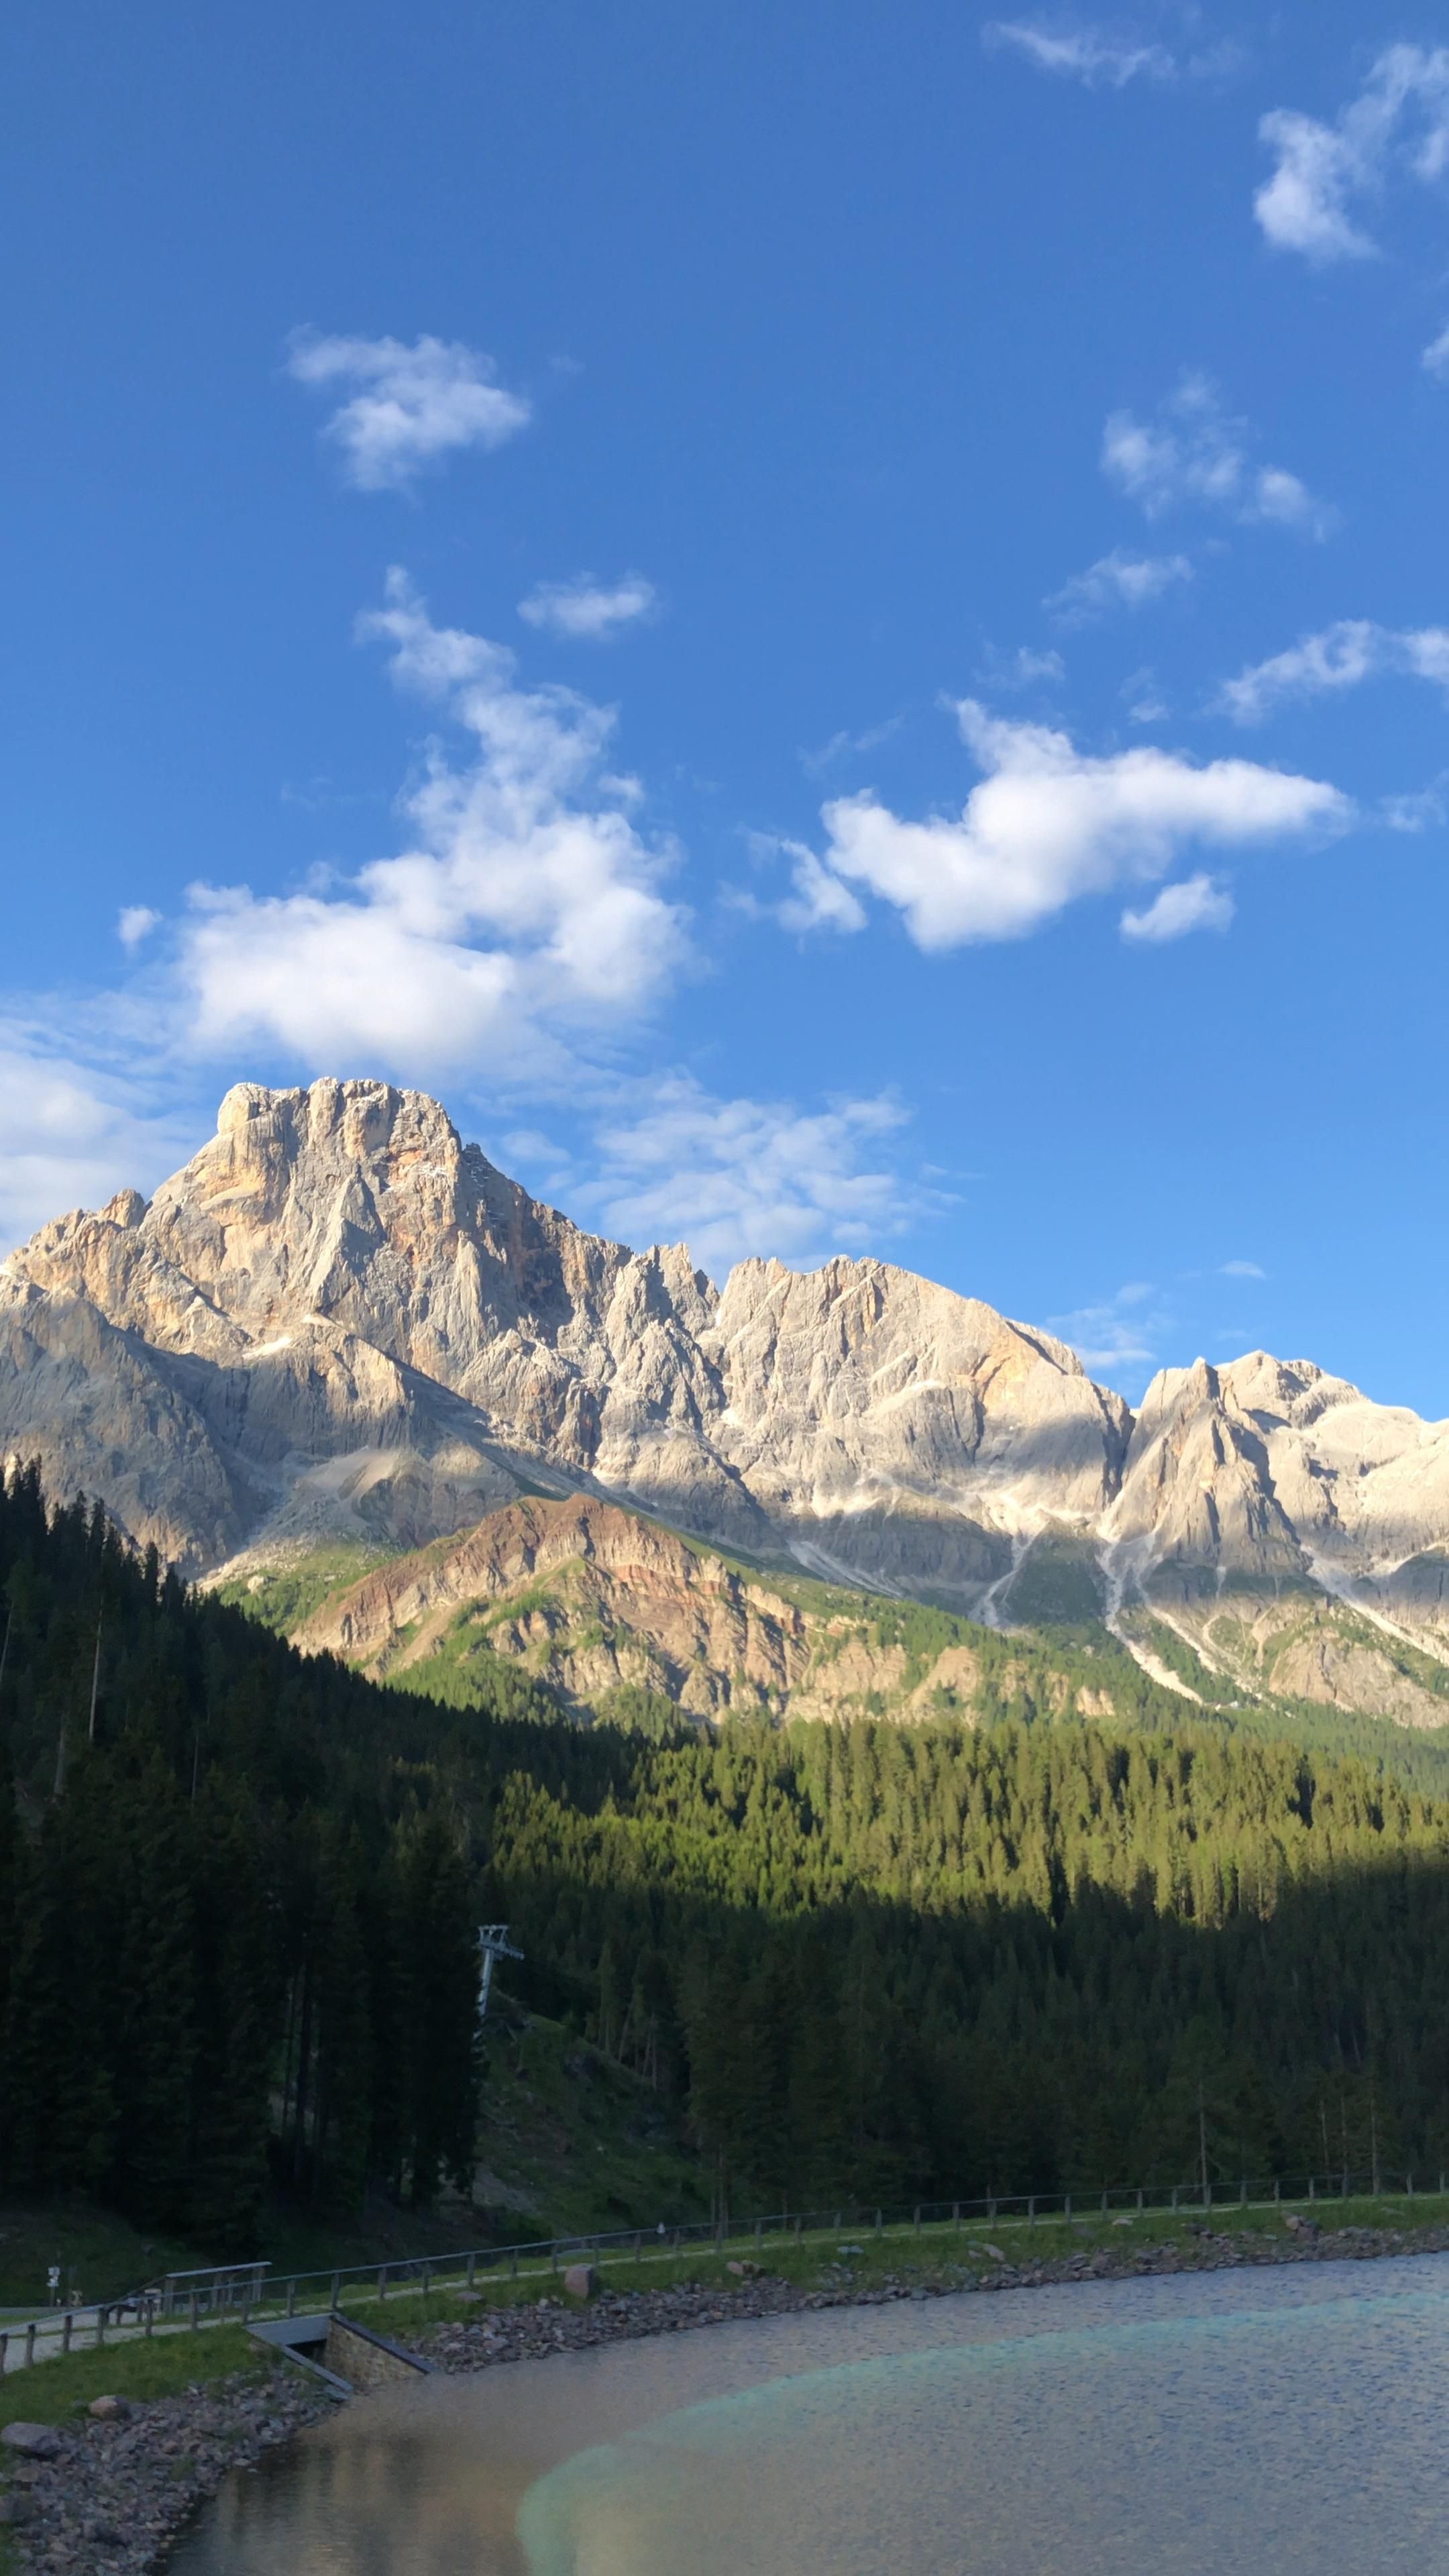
<point>339,1320</point>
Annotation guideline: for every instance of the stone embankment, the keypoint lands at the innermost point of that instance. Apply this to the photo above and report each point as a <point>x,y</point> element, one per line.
<point>552,2325</point>
<point>105,2496</point>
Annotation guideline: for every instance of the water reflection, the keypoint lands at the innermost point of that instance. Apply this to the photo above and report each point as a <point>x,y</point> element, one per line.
<point>1271,2421</point>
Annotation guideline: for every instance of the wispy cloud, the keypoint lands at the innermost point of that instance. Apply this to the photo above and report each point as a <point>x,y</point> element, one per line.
<point>1241,1270</point>
<point>1146,702</point>
<point>818,901</point>
<point>415,403</point>
<point>1049,824</point>
<point>1340,657</point>
<point>844,746</point>
<point>1422,809</point>
<point>1123,1332</point>
<point>1436,356</point>
<point>587,610</point>
<point>1117,580</point>
<point>1029,667</point>
<point>1324,173</point>
<point>742,1176</point>
<point>1087,54</point>
<point>1194,453</point>
<point>1194,903</point>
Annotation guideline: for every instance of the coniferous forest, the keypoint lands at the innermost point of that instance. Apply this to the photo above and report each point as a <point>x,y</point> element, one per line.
<point>239,1894</point>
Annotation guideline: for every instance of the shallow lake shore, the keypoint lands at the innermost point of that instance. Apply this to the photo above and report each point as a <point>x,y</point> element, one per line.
<point>112,2494</point>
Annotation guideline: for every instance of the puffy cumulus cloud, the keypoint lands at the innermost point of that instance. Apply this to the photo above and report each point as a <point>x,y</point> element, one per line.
<point>1087,54</point>
<point>1194,453</point>
<point>75,1131</point>
<point>587,610</point>
<point>1117,580</point>
<point>1436,356</point>
<point>1399,120</point>
<point>135,922</point>
<point>415,403</point>
<point>1194,903</point>
<point>1049,824</point>
<point>1340,657</point>
<point>735,1177</point>
<point>528,908</point>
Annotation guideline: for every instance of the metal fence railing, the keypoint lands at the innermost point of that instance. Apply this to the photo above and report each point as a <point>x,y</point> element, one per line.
<point>247,2292</point>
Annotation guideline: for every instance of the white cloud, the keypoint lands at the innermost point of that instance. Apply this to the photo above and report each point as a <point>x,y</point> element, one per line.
<point>820,901</point>
<point>1145,701</point>
<point>1195,453</point>
<point>1028,667</point>
<point>74,1133</point>
<point>1195,903</point>
<point>1400,119</point>
<point>587,610</point>
<point>527,907</point>
<point>1418,811</point>
<point>415,404</point>
<point>734,1177</point>
<point>1124,1331</point>
<point>1341,657</point>
<point>136,922</point>
<point>1241,1270</point>
<point>1049,824</point>
<point>1118,580</point>
<point>1086,54</point>
<point>1436,356</point>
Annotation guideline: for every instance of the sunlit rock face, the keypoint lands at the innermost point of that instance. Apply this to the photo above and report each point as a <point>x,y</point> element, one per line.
<point>340,1321</point>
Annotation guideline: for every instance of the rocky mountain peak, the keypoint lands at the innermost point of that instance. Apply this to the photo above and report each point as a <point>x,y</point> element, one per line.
<point>340,1319</point>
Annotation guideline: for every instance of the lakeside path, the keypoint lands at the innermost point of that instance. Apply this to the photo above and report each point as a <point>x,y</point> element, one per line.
<point>107,2495</point>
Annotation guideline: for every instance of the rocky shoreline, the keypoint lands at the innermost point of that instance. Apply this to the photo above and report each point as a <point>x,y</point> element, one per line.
<point>107,2496</point>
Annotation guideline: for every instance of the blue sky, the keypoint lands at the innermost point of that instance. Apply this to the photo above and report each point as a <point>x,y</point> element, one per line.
<point>833,622</point>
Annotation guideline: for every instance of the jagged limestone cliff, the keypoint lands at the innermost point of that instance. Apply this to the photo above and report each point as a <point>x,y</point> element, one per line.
<point>340,1324</point>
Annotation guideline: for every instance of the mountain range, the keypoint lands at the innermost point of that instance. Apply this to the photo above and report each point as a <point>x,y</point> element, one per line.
<point>340,1334</point>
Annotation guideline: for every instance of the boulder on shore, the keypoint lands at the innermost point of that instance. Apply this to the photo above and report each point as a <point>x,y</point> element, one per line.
<point>32,2441</point>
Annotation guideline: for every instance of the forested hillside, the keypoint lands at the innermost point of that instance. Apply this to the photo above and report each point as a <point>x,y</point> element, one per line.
<point>237,1917</point>
<point>237,1925</point>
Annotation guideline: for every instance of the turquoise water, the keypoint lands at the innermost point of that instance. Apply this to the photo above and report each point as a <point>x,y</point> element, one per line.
<point>1239,2422</point>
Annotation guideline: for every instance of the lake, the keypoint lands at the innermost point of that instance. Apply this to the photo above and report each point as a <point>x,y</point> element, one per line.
<point>1231,2422</point>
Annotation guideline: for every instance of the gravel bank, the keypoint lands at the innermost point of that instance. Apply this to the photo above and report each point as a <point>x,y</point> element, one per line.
<point>111,2498</point>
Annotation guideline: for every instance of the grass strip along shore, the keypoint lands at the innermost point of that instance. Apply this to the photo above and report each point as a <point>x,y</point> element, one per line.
<point>195,2403</point>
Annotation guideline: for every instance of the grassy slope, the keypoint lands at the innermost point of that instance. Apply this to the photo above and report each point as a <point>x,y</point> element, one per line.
<point>283,1597</point>
<point>575,2142</point>
<point>580,2142</point>
<point>100,2256</point>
